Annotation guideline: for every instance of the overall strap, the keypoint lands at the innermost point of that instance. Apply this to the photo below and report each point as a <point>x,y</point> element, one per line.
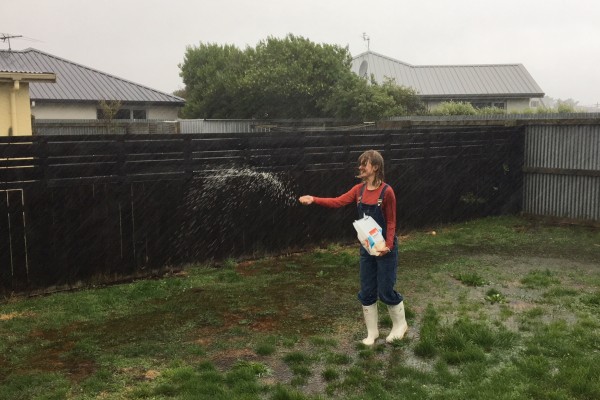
<point>362,191</point>
<point>380,199</point>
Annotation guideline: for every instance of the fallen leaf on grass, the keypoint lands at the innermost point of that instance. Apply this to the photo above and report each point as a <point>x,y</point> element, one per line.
<point>151,375</point>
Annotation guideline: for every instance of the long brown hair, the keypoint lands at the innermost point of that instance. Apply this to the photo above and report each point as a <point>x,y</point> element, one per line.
<point>376,160</point>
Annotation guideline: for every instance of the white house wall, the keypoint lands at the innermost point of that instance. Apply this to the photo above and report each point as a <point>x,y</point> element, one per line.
<point>164,113</point>
<point>517,104</point>
<point>89,111</point>
<point>64,111</point>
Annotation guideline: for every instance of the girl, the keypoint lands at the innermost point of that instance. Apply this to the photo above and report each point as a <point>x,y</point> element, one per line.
<point>375,198</point>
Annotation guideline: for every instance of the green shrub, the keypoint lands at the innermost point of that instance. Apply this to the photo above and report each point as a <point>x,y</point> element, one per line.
<point>491,111</point>
<point>565,108</point>
<point>454,108</point>
<point>562,107</point>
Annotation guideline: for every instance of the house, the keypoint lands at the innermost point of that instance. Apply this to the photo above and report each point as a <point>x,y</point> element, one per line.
<point>79,90</point>
<point>16,80</point>
<point>506,86</point>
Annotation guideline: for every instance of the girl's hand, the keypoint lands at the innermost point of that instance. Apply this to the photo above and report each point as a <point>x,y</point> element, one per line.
<point>382,249</point>
<point>306,200</point>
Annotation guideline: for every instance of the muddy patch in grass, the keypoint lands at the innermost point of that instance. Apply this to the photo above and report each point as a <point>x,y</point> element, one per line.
<point>60,354</point>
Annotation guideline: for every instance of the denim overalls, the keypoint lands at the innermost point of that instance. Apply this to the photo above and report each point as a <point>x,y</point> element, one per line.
<point>377,274</point>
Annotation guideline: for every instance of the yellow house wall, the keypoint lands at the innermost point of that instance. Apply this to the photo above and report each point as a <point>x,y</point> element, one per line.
<point>5,108</point>
<point>23,108</point>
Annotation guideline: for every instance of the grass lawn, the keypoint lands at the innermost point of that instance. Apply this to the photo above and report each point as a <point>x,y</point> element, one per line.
<point>498,308</point>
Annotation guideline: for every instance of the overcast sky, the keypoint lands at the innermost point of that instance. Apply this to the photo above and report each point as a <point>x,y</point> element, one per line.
<point>144,41</point>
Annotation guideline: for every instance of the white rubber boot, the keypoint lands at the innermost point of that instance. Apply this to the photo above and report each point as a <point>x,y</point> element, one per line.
<point>399,325</point>
<point>371,319</point>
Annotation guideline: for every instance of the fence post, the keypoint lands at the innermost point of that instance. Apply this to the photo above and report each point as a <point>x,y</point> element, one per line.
<point>245,148</point>
<point>387,146</point>
<point>348,162</point>
<point>187,156</point>
<point>41,142</point>
<point>120,139</point>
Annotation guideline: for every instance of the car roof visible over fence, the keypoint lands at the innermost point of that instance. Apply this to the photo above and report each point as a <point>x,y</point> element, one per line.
<point>78,83</point>
<point>508,80</point>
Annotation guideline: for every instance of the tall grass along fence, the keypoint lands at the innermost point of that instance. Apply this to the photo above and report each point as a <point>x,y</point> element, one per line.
<point>98,208</point>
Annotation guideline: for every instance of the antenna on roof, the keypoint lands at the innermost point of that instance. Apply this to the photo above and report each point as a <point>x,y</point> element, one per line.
<point>5,37</point>
<point>367,39</point>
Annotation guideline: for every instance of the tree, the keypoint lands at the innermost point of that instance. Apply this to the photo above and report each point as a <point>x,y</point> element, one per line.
<point>566,106</point>
<point>109,110</point>
<point>358,98</point>
<point>212,75</point>
<point>285,78</point>
<point>406,99</point>
<point>181,93</point>
<point>290,77</point>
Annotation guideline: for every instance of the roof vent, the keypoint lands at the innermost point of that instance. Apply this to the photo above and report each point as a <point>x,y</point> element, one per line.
<point>362,70</point>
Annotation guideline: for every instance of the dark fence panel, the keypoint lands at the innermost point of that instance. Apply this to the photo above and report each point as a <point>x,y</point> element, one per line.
<point>14,262</point>
<point>99,208</point>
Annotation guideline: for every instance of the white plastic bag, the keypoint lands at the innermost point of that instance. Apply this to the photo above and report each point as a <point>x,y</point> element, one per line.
<point>369,235</point>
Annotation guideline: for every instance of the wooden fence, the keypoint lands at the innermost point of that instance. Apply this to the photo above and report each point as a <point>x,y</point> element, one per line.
<point>99,208</point>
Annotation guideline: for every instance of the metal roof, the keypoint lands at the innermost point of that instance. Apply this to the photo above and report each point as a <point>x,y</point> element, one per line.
<point>78,83</point>
<point>459,81</point>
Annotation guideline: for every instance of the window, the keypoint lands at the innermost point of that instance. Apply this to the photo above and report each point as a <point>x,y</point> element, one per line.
<point>139,114</point>
<point>123,113</point>
<point>484,104</point>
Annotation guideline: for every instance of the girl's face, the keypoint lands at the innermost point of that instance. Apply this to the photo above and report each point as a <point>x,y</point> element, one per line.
<point>366,170</point>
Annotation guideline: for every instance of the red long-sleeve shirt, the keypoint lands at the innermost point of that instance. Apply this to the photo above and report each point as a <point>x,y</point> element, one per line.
<point>369,197</point>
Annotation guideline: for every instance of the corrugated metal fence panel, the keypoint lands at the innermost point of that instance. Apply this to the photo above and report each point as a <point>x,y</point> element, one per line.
<point>568,147</point>
<point>564,196</point>
<point>220,126</point>
<point>562,167</point>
